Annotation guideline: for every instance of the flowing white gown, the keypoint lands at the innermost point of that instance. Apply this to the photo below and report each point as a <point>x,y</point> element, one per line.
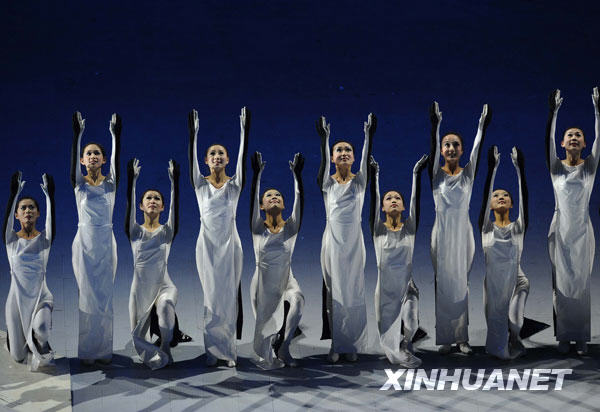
<point>571,242</point>
<point>28,291</point>
<point>343,257</point>
<point>273,282</point>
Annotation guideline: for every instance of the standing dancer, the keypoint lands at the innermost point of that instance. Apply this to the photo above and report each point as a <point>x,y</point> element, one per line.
<point>29,303</point>
<point>94,247</point>
<point>396,295</point>
<point>219,250</point>
<point>152,290</point>
<point>571,237</point>
<point>505,285</point>
<point>452,243</point>
<point>277,300</point>
<point>343,246</point>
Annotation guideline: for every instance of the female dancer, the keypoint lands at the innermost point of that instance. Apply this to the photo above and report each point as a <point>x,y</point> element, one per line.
<point>506,287</point>
<point>219,250</point>
<point>343,247</point>
<point>452,243</point>
<point>274,290</point>
<point>94,247</point>
<point>29,303</point>
<point>152,289</point>
<point>571,237</point>
<point>396,295</point>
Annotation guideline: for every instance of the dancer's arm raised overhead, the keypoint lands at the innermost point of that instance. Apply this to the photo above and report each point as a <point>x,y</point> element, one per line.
<point>133,171</point>
<point>484,121</point>
<point>554,102</point>
<point>488,189</point>
<point>295,219</point>
<point>115,127</point>
<point>48,188</point>
<point>173,219</point>
<point>256,223</point>
<point>78,128</point>
<point>596,145</point>
<point>370,126</point>
<point>375,222</point>
<point>240,169</point>
<point>519,163</point>
<point>323,130</point>
<point>195,175</point>
<point>16,186</point>
<point>415,197</point>
<point>435,115</point>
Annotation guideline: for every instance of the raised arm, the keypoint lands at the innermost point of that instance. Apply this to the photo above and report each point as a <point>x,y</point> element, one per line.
<point>519,163</point>
<point>484,121</point>
<point>374,214</point>
<point>256,223</point>
<point>78,128</point>
<point>434,155</point>
<point>193,124</point>
<point>295,219</point>
<point>240,170</point>
<point>595,146</point>
<point>488,189</point>
<point>173,220</point>
<point>16,186</point>
<point>323,130</point>
<point>369,127</point>
<point>115,128</point>
<point>554,102</point>
<point>415,196</point>
<point>133,171</point>
<point>48,188</point>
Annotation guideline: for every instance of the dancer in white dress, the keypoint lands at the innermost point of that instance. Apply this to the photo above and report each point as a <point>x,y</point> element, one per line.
<point>505,285</point>
<point>452,243</point>
<point>571,237</point>
<point>274,288</point>
<point>152,288</point>
<point>396,295</point>
<point>343,246</point>
<point>29,303</point>
<point>219,250</point>
<point>94,247</point>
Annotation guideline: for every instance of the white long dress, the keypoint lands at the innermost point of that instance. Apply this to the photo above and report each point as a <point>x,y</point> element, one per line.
<point>28,291</point>
<point>394,253</point>
<point>219,259</point>
<point>343,257</point>
<point>94,258</point>
<point>151,281</point>
<point>452,247</point>
<point>273,282</point>
<point>571,242</point>
<point>504,277</point>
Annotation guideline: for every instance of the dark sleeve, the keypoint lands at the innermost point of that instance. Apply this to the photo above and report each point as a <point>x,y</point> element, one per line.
<point>418,200</point>
<point>74,160</point>
<point>14,188</point>
<point>191,146</point>
<point>524,190</point>
<point>433,140</point>
<point>245,143</point>
<point>129,190</point>
<point>549,136</point>
<point>320,176</point>
<point>301,191</point>
<point>373,192</point>
<point>176,175</point>
<point>51,192</point>
<point>486,188</point>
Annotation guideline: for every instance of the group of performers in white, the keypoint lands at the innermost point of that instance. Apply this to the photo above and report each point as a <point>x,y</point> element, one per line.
<point>277,301</point>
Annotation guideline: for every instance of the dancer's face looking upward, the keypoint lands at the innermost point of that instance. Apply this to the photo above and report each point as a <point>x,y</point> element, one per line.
<point>573,140</point>
<point>272,198</point>
<point>216,156</point>
<point>27,212</point>
<point>500,200</point>
<point>152,202</point>
<point>342,154</point>
<point>92,157</point>
<point>392,203</point>
<point>452,148</point>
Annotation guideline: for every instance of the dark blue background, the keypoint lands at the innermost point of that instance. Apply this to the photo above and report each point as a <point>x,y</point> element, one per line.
<point>289,62</point>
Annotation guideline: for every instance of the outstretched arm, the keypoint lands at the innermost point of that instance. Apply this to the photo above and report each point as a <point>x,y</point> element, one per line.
<point>519,163</point>
<point>415,196</point>
<point>115,127</point>
<point>173,220</point>
<point>555,102</point>
<point>133,171</point>
<point>78,128</point>
<point>374,214</point>
<point>295,218</point>
<point>193,124</point>
<point>240,170</point>
<point>488,189</point>
<point>16,186</point>
<point>323,129</point>
<point>48,188</point>
<point>595,146</point>
<point>484,121</point>
<point>256,223</point>
<point>434,155</point>
<point>369,126</point>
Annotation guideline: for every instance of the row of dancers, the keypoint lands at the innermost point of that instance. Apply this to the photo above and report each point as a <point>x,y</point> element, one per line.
<point>276,297</point>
